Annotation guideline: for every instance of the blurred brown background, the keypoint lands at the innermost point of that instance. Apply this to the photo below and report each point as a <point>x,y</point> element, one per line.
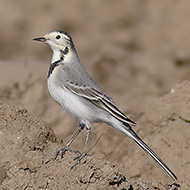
<point>135,50</point>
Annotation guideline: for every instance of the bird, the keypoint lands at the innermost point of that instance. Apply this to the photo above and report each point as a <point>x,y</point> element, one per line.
<point>78,94</point>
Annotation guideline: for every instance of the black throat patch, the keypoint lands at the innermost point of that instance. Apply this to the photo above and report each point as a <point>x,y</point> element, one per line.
<point>56,63</point>
<point>52,67</point>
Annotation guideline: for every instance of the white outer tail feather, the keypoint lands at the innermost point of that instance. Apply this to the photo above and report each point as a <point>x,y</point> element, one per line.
<point>127,130</point>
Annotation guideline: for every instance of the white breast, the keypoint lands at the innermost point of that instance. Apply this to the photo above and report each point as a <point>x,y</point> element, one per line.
<point>69,101</point>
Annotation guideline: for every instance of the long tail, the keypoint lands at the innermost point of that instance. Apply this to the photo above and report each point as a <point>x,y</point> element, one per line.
<point>129,132</point>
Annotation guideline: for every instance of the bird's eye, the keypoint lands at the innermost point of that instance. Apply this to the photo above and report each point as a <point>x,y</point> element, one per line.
<point>58,37</point>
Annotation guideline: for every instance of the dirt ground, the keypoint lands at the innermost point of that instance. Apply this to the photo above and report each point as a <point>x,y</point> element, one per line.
<point>138,52</point>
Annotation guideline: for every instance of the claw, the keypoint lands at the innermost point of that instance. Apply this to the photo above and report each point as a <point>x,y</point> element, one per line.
<point>84,153</point>
<point>61,152</point>
<point>79,158</point>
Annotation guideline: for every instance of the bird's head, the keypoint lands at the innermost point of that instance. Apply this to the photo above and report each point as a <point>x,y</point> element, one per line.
<point>57,40</point>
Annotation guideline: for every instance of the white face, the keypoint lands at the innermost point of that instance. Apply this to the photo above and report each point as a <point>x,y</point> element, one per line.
<point>58,40</point>
<point>61,44</point>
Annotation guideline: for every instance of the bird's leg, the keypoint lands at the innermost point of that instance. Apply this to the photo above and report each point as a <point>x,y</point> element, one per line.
<point>66,148</point>
<point>84,153</point>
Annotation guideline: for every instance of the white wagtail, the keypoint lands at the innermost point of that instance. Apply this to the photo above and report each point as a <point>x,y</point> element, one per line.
<point>74,90</point>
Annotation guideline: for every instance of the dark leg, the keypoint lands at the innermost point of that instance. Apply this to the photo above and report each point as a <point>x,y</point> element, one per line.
<point>66,148</point>
<point>84,153</point>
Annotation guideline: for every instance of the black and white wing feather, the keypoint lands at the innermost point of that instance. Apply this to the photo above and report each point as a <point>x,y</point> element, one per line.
<point>100,99</point>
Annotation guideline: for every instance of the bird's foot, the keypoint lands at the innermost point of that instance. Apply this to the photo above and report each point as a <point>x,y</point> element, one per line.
<point>62,151</point>
<point>79,158</point>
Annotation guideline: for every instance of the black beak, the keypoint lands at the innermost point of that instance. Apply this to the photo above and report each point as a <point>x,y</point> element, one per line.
<point>41,39</point>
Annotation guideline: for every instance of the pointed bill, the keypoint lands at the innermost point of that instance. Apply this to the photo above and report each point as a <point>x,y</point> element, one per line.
<point>40,39</point>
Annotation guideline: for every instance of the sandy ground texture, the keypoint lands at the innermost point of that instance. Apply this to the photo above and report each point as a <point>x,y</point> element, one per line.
<point>138,52</point>
<point>28,144</point>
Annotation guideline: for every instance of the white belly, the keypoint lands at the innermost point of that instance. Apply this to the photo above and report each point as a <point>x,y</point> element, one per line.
<point>78,107</point>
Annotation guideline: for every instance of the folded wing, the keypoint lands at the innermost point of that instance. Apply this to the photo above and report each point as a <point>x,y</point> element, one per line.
<point>99,99</point>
